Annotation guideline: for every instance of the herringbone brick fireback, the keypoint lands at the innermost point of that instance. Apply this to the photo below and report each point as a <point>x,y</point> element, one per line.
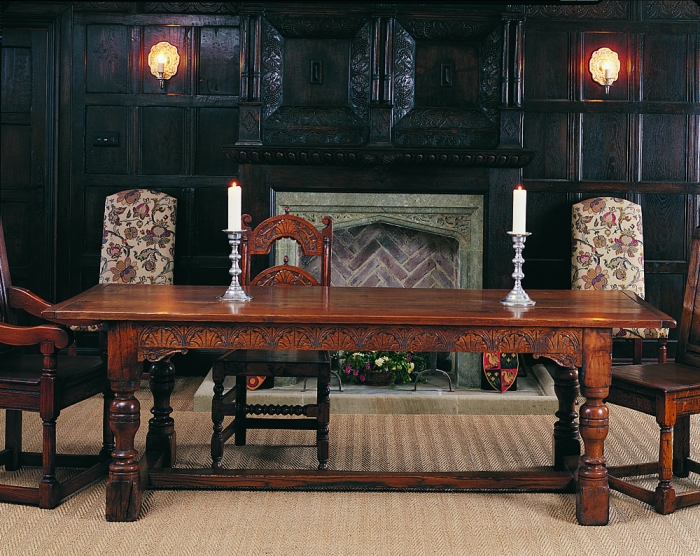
<point>391,256</point>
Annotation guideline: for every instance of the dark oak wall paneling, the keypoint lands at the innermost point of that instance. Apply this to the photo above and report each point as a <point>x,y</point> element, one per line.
<point>639,141</point>
<point>449,97</point>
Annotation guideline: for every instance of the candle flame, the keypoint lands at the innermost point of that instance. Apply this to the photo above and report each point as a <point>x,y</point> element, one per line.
<point>519,187</point>
<point>234,184</point>
<point>161,59</point>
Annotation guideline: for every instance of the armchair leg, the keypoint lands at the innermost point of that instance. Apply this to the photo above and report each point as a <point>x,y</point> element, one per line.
<point>239,422</point>
<point>662,349</point>
<point>323,401</point>
<point>217,417</point>
<point>13,438</point>
<point>48,486</point>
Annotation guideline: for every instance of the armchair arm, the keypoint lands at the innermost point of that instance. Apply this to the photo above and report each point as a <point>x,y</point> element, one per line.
<point>21,298</point>
<point>31,335</point>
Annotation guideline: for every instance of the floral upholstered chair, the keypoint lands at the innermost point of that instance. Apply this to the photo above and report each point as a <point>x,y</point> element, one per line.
<point>608,254</point>
<point>138,241</point>
<point>138,238</point>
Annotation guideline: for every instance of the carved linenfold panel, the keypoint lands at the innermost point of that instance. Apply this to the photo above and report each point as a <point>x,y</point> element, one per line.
<point>566,343</point>
<point>663,9</point>
<point>445,128</point>
<point>501,158</point>
<point>404,71</point>
<point>617,9</point>
<point>317,27</point>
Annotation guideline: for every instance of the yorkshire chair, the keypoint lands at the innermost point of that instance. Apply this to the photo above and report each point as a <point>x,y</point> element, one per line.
<point>608,253</point>
<point>261,363</point>
<point>44,382</point>
<point>671,393</point>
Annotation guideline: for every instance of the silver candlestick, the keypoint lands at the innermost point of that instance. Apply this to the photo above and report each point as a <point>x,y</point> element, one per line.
<point>517,296</point>
<point>235,291</point>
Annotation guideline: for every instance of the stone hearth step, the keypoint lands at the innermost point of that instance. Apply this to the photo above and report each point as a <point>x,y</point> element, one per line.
<point>535,396</point>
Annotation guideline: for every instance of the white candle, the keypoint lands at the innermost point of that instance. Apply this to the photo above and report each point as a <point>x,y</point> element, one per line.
<point>234,207</point>
<point>519,206</point>
<point>161,63</point>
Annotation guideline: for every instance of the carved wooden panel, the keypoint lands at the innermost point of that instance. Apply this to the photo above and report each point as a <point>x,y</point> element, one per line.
<point>605,155</point>
<point>664,67</point>
<point>549,135</point>
<point>162,140</point>
<point>547,55</point>
<point>16,80</point>
<point>219,61</point>
<point>663,138</point>
<point>15,159</point>
<point>106,160</point>
<point>215,127</point>
<point>107,59</point>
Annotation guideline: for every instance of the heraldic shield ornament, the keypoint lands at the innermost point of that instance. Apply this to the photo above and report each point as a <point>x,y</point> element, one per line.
<point>500,371</point>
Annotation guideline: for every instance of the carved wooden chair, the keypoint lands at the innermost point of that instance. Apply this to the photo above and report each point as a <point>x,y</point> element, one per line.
<point>43,382</point>
<point>608,253</point>
<point>671,393</point>
<point>261,363</point>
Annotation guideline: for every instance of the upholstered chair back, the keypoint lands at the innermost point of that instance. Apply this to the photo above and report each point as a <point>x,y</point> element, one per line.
<point>138,238</point>
<point>608,251</point>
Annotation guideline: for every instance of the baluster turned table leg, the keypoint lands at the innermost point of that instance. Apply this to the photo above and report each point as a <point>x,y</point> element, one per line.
<point>161,428</point>
<point>566,439</point>
<point>592,490</point>
<point>123,485</point>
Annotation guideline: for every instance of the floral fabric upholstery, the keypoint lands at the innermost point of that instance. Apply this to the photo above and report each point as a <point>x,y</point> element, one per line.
<point>608,252</point>
<point>138,238</point>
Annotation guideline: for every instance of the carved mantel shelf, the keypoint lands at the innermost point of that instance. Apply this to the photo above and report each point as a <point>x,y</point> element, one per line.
<point>338,156</point>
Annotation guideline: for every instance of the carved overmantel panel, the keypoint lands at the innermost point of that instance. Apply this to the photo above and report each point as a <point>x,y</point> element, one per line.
<point>381,87</point>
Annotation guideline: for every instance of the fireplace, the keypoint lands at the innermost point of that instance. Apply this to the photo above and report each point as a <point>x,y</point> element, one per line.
<point>399,240</point>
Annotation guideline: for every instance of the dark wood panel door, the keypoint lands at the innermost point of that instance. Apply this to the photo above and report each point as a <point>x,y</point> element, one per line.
<point>25,177</point>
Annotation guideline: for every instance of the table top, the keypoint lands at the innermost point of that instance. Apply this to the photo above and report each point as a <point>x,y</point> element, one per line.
<point>376,306</point>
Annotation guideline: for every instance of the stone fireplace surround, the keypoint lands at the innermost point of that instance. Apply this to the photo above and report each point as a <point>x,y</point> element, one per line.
<point>452,222</point>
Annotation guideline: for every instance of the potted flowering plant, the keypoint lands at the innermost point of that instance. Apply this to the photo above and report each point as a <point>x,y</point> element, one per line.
<point>383,367</point>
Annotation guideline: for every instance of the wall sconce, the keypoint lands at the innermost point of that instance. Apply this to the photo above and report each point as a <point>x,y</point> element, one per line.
<point>604,67</point>
<point>163,60</point>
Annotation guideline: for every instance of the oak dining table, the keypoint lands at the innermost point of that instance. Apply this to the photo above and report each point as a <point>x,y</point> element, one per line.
<point>149,322</point>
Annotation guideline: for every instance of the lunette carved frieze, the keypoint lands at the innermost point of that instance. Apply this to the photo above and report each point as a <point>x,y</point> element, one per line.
<point>671,9</point>
<point>611,9</point>
<point>446,30</point>
<point>565,344</point>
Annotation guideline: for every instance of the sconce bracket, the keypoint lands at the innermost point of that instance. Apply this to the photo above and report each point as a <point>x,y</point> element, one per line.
<point>172,60</point>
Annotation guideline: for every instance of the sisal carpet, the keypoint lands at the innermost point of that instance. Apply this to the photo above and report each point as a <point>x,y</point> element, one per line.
<point>350,523</point>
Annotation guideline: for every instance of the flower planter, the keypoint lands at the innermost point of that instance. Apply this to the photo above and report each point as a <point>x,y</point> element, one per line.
<point>379,379</point>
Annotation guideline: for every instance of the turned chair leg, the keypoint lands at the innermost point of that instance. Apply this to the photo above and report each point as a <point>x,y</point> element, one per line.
<point>217,417</point>
<point>239,420</point>
<point>665,493</point>
<point>48,486</point>
<point>13,438</point>
<point>681,446</point>
<point>323,402</point>
<point>662,349</point>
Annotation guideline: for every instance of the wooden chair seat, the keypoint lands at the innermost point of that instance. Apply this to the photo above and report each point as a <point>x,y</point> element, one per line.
<point>671,393</point>
<point>262,363</point>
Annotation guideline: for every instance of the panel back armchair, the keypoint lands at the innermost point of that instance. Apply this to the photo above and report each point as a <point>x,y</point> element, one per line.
<point>261,363</point>
<point>671,393</point>
<point>44,382</point>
